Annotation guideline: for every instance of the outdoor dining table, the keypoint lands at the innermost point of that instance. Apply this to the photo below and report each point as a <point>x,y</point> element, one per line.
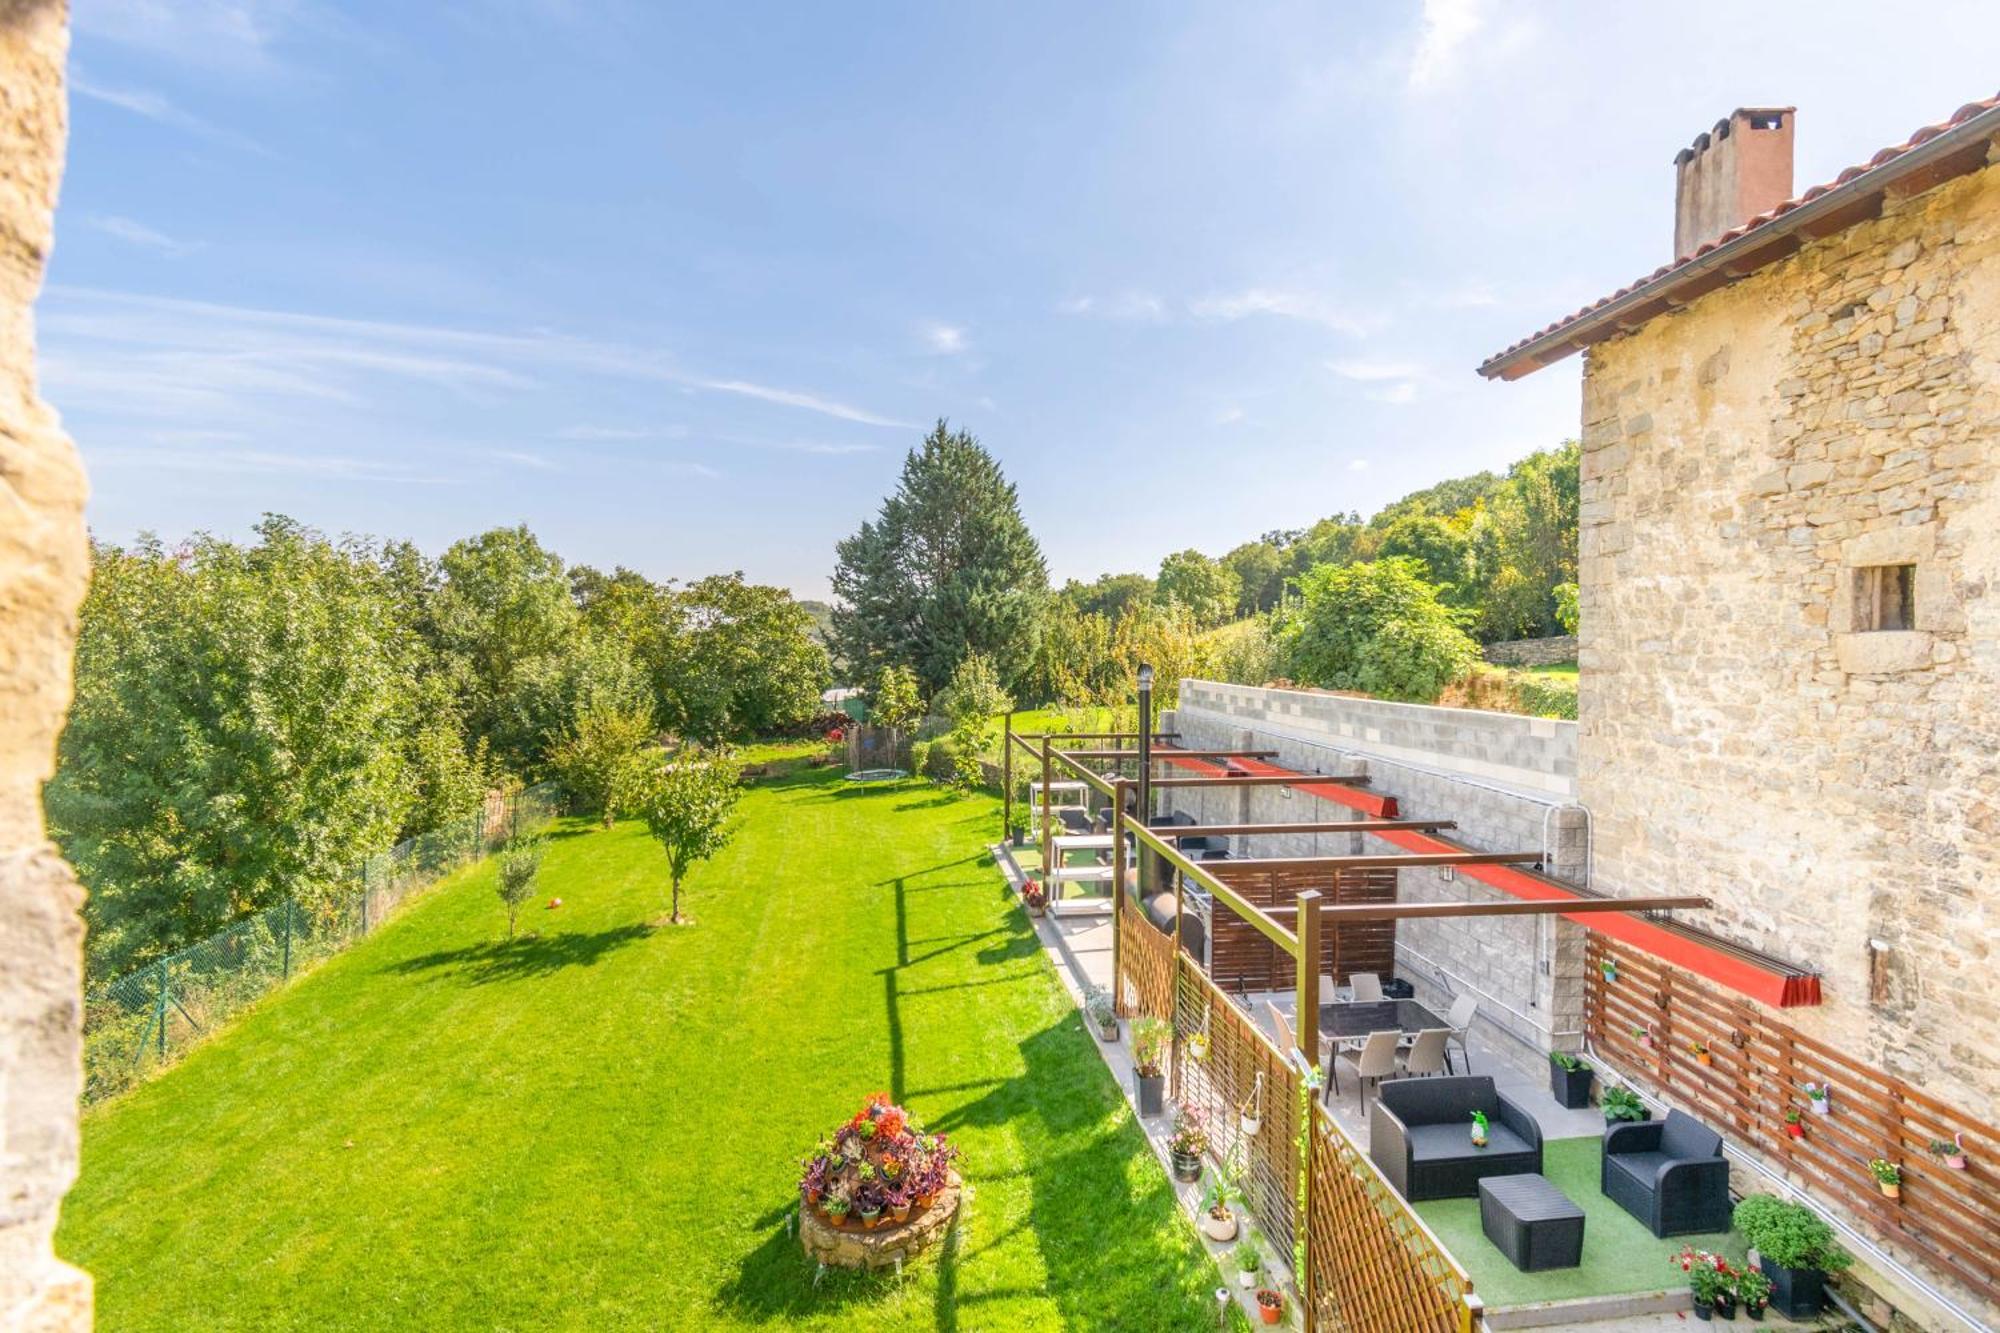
<point>1348,1022</point>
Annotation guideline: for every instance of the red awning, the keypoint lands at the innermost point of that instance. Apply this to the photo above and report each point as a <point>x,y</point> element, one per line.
<point>1696,951</point>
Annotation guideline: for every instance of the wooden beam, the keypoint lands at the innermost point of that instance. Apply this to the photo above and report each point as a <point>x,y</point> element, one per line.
<point>1260,780</point>
<point>1387,860</point>
<point>1508,907</point>
<point>1328,826</point>
<point>1160,756</point>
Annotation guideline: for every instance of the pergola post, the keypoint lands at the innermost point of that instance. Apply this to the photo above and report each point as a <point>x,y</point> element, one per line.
<point>1007,776</point>
<point>1306,1026</point>
<point>1048,843</point>
<point>1145,799</point>
<point>1118,789</point>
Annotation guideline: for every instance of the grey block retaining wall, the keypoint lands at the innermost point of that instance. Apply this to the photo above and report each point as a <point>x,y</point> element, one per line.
<point>1508,781</point>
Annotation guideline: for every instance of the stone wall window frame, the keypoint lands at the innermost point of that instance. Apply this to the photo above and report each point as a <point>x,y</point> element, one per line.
<point>1885,598</point>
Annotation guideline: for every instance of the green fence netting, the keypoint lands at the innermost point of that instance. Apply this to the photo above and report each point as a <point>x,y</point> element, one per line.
<point>147,1018</point>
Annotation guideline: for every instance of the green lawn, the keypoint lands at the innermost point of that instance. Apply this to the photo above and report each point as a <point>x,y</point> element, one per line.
<point>599,1127</point>
<point>1566,669</point>
<point>1619,1253</point>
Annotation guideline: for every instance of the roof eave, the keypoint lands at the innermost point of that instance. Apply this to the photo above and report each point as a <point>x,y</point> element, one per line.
<point>1838,208</point>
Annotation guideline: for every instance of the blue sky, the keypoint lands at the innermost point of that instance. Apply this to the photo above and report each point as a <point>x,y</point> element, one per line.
<point>678,285</point>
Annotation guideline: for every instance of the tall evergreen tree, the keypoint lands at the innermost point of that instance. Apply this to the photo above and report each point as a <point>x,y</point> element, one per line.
<point>948,568</point>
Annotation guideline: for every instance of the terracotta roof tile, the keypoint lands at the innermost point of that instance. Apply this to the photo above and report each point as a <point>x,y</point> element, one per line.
<point>1854,173</point>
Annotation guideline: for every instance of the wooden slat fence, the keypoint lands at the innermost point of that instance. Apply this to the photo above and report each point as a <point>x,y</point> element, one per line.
<point>1373,1264</point>
<point>1242,959</point>
<point>1643,1022</point>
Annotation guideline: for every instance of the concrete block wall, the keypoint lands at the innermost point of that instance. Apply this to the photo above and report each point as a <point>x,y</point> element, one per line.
<point>1508,781</point>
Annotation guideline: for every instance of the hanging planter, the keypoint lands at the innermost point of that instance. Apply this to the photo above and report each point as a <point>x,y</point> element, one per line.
<point>1699,1049</point>
<point>1250,1115</point>
<point>1950,1151</point>
<point>1888,1175</point>
<point>1819,1096</point>
<point>1794,1123</point>
<point>1197,1045</point>
<point>1610,969</point>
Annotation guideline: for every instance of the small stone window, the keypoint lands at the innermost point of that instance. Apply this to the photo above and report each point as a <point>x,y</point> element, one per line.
<point>1885,598</point>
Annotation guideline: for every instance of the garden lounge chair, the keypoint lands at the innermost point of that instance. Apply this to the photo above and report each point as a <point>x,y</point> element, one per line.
<point>1670,1174</point>
<point>1420,1135</point>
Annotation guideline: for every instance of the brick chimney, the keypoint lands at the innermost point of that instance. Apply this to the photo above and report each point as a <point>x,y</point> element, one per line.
<point>1737,170</point>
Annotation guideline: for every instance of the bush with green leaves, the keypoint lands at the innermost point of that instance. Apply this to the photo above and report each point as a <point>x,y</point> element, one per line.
<point>974,694</point>
<point>1378,628</point>
<point>1566,612</point>
<point>1545,696</point>
<point>1790,1235</point>
<point>688,806</point>
<point>520,863</point>
<point>601,761</point>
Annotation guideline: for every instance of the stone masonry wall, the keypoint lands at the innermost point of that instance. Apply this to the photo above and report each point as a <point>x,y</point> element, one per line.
<point>1505,779</point>
<point>1532,652</point>
<point>1836,791</point>
<point>43,566</point>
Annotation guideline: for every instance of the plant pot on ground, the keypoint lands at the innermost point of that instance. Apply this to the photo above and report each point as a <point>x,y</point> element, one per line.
<point>1622,1104</point>
<point>1795,1249</point>
<point>1249,1264</point>
<point>1753,1290</point>
<point>1569,1079</point>
<point>1270,1305</point>
<point>1149,1069</point>
<point>1189,1142</point>
<point>1224,1196</point>
<point>1103,1013</point>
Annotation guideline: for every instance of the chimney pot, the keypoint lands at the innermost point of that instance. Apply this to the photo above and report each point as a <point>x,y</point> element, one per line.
<point>1735,171</point>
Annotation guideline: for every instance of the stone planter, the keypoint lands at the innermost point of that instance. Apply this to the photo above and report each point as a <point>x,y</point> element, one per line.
<point>849,1245</point>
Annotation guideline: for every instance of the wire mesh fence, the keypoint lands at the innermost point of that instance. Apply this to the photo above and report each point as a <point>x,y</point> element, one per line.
<point>144,1019</point>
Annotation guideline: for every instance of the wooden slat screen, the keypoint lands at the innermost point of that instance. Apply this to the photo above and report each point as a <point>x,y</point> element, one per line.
<point>1243,960</point>
<point>1642,1023</point>
<point>1374,1266</point>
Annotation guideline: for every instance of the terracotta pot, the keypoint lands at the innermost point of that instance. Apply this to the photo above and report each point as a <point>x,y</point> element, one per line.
<point>924,1201</point>
<point>901,1212</point>
<point>1705,1058</point>
<point>1890,1191</point>
<point>1270,1314</point>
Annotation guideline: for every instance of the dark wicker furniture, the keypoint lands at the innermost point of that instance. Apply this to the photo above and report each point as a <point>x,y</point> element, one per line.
<point>1531,1221</point>
<point>1670,1174</point>
<point>1420,1135</point>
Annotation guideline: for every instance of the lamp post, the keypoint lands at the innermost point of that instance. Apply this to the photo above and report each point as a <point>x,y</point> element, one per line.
<point>1145,809</point>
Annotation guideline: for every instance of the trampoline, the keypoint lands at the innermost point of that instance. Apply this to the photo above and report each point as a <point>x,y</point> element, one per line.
<point>877,775</point>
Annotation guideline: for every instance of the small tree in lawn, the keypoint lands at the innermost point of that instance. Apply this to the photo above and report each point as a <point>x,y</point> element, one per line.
<point>687,806</point>
<point>520,863</point>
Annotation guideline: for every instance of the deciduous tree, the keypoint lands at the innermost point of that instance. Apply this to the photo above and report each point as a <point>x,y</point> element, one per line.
<point>688,807</point>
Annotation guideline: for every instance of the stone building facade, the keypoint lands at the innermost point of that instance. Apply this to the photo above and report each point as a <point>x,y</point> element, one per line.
<point>43,567</point>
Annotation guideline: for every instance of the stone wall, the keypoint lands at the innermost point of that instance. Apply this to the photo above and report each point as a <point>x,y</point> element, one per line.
<point>1508,782</point>
<point>1836,791</point>
<point>43,566</point>
<point>1532,652</point>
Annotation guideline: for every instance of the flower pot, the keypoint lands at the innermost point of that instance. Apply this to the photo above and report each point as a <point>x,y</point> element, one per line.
<point>1187,1167</point>
<point>1796,1293</point>
<point>1247,1278</point>
<point>1571,1087</point>
<point>1890,1191</point>
<point>924,1201</point>
<point>1702,1309</point>
<point>871,1220</point>
<point>1795,1130</point>
<point>1725,1306</point>
<point>1704,1058</point>
<point>1251,1124</point>
<point>901,1212</point>
<point>1754,1313</point>
<point>1271,1312</point>
<point>1821,1105</point>
<point>1108,1031</point>
<point>1020,837</point>
<point>1219,1228</point>
<point>1152,1090</point>
<point>1956,1161</point>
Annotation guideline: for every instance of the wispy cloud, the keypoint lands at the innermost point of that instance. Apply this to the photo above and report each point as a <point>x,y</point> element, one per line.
<point>523,458</point>
<point>137,233</point>
<point>1140,307</point>
<point>1395,382</point>
<point>673,432</point>
<point>944,339</point>
<point>1228,416</point>
<point>1447,26</point>
<point>147,356</point>
<point>237,462</point>
<point>239,36</point>
<point>1283,302</point>
<point>1357,465</point>
<point>155,107</point>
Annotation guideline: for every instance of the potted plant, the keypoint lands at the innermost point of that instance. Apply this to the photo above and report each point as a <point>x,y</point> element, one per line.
<point>1036,898</point>
<point>1249,1264</point>
<point>1795,1124</point>
<point>1018,830</point>
<point>1149,1054</point>
<point>1794,1248</point>
<point>1569,1079</point>
<point>1888,1175</point>
<point>1610,969</point>
<point>1819,1096</point>
<point>1699,1049</point>
<point>1249,1112</point>
<point>1218,1221</point>
<point>1753,1289</point>
<point>1640,1034</point>
<point>1623,1104</point>
<point>1706,1280</point>
<point>1103,1013</point>
<point>1188,1142</point>
<point>1270,1305</point>
<point>1197,1046</point>
<point>878,1168</point>
<point>1950,1151</point>
<point>1479,1129</point>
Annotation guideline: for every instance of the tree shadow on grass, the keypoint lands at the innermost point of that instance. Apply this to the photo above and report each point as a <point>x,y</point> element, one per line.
<point>523,958</point>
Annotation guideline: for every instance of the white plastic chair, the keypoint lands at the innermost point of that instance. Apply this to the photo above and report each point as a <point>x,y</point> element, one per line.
<point>1375,1062</point>
<point>1284,1029</point>
<point>1367,986</point>
<point>1427,1053</point>
<point>1463,1010</point>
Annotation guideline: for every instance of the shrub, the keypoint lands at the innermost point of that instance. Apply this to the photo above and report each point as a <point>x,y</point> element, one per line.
<point>519,865</point>
<point>1378,628</point>
<point>920,757</point>
<point>1545,696</point>
<point>1790,1235</point>
<point>1566,615</point>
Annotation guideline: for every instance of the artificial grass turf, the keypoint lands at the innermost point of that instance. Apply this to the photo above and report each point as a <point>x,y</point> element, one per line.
<point>1619,1254</point>
<point>600,1127</point>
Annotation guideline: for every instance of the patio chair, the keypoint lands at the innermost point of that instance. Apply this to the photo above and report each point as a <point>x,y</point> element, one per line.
<point>1427,1053</point>
<point>1374,1062</point>
<point>1420,1135</point>
<point>1366,985</point>
<point>1283,1027</point>
<point>1670,1174</point>
<point>1463,1010</point>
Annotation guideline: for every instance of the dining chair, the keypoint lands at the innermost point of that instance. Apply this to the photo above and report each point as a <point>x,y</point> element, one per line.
<point>1367,986</point>
<point>1463,1010</point>
<point>1283,1028</point>
<point>1427,1053</point>
<point>1375,1062</point>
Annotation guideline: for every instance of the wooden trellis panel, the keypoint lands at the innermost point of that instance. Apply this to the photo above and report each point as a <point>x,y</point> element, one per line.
<point>1372,1265</point>
<point>1642,1024</point>
<point>1244,960</point>
<point>1221,1081</point>
<point>1146,959</point>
